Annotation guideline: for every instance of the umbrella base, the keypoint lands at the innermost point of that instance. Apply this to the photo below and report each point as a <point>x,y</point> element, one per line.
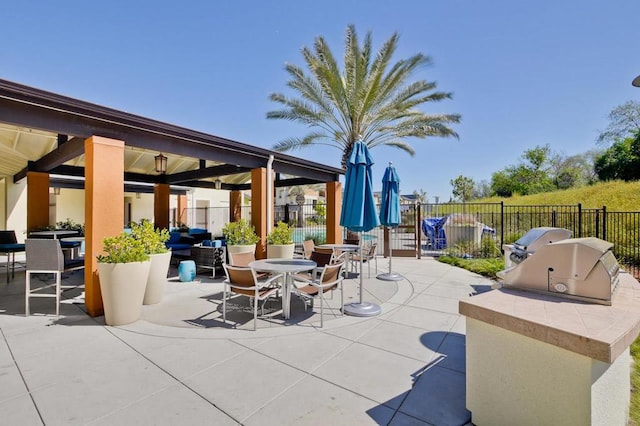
<point>390,276</point>
<point>364,309</point>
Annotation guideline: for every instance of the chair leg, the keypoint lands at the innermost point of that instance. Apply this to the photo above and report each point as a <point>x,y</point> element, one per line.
<point>224,304</point>
<point>58,289</point>
<point>255,314</point>
<point>27,291</point>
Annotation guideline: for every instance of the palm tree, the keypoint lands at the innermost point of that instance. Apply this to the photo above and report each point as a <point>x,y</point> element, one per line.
<point>370,99</point>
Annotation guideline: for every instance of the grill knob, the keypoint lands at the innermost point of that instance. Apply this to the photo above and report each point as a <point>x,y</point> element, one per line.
<point>560,288</point>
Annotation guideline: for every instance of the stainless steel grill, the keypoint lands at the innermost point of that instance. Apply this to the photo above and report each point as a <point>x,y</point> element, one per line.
<point>575,268</point>
<point>530,242</point>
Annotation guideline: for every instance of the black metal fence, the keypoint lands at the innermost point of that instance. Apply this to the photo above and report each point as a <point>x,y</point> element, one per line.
<point>509,222</point>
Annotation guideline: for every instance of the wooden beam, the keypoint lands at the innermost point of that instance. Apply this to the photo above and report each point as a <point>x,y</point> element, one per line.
<point>214,171</point>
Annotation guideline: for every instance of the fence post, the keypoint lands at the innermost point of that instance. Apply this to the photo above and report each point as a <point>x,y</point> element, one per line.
<point>579,220</point>
<point>604,222</point>
<point>554,218</point>
<point>286,213</point>
<point>597,223</point>
<point>501,226</point>
<point>417,230</point>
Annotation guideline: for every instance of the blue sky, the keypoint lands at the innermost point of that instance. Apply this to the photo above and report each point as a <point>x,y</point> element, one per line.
<point>522,73</point>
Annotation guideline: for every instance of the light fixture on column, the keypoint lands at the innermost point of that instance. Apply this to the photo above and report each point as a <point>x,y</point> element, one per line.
<point>56,190</point>
<point>217,183</point>
<point>137,195</point>
<point>161,163</point>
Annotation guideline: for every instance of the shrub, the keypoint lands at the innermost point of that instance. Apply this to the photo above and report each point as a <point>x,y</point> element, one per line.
<point>282,234</point>
<point>123,248</point>
<point>152,239</point>
<point>240,233</point>
<point>318,239</point>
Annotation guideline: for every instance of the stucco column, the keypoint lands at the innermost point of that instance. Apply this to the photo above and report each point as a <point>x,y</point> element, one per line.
<point>161,193</point>
<point>235,206</point>
<point>259,209</point>
<point>181,214</point>
<point>37,200</point>
<point>334,204</point>
<point>104,208</point>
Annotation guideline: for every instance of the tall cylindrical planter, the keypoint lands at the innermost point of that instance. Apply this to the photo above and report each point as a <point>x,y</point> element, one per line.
<point>244,248</point>
<point>280,251</point>
<point>122,286</point>
<point>157,280</point>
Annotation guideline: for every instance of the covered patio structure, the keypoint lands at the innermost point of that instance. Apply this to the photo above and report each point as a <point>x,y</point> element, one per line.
<point>48,140</point>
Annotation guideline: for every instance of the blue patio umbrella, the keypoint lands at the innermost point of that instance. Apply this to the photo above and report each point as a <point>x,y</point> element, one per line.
<point>359,212</point>
<point>390,212</point>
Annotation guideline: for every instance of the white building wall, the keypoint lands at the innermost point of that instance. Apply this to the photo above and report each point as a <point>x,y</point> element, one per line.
<point>69,204</point>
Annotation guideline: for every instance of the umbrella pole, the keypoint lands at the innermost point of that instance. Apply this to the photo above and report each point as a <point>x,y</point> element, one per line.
<point>361,309</point>
<point>390,276</point>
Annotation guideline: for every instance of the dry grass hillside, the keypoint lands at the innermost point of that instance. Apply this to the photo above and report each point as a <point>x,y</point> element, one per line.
<point>616,195</point>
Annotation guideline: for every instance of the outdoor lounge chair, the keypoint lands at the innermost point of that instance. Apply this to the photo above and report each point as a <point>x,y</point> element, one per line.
<point>330,279</point>
<point>45,257</point>
<point>322,259</point>
<point>244,281</point>
<point>308,247</point>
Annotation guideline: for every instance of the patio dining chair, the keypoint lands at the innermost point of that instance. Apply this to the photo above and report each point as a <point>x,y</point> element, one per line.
<point>243,281</point>
<point>368,255</point>
<point>321,259</point>
<point>330,279</point>
<point>308,247</point>
<point>45,257</point>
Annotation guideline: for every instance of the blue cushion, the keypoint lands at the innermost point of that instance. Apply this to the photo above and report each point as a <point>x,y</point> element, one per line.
<point>11,247</point>
<point>174,237</point>
<point>195,231</point>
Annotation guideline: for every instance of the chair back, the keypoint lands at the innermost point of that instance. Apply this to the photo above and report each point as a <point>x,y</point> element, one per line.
<point>44,255</point>
<point>331,273</point>
<point>8,237</point>
<point>308,246</point>
<point>372,250</point>
<point>351,241</point>
<point>321,258</point>
<point>241,259</point>
<point>240,276</point>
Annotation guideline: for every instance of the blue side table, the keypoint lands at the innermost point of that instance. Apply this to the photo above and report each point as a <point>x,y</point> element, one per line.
<point>187,270</point>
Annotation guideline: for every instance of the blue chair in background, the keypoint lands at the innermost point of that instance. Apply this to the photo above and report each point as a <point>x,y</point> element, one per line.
<point>9,246</point>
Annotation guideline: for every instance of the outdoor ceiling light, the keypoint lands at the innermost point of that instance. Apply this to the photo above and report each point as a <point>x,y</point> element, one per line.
<point>161,163</point>
<point>217,183</point>
<point>56,190</point>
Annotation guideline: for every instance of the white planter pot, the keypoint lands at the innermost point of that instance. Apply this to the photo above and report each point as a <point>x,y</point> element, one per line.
<point>249,248</point>
<point>122,286</point>
<point>157,280</point>
<point>280,251</point>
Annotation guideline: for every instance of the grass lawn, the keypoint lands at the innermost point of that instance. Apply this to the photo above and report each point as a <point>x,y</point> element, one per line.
<point>489,268</point>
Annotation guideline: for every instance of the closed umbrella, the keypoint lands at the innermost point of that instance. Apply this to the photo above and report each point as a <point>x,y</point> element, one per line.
<point>359,213</point>
<point>390,213</point>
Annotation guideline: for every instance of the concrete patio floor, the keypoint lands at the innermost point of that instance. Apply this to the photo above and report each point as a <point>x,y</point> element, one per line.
<point>180,364</point>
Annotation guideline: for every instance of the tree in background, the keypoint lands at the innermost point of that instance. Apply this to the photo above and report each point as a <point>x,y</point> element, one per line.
<point>481,189</point>
<point>624,121</point>
<point>370,99</point>
<point>462,188</point>
<point>420,196</point>
<point>621,160</point>
<point>531,176</point>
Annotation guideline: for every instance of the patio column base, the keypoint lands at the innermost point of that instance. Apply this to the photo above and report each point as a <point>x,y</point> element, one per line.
<point>364,309</point>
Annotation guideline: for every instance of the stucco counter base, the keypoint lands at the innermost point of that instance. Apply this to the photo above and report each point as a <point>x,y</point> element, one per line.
<point>535,359</point>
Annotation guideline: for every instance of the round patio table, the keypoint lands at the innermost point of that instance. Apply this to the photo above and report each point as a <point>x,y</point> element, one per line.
<point>285,267</point>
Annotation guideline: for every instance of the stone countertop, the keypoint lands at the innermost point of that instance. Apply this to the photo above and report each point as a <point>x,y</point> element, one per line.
<point>597,331</point>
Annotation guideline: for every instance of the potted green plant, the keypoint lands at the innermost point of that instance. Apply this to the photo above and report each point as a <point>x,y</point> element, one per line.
<point>123,272</point>
<point>241,236</point>
<point>153,241</point>
<point>280,242</point>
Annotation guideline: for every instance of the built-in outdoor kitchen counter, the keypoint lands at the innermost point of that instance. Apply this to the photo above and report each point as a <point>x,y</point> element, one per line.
<point>538,359</point>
